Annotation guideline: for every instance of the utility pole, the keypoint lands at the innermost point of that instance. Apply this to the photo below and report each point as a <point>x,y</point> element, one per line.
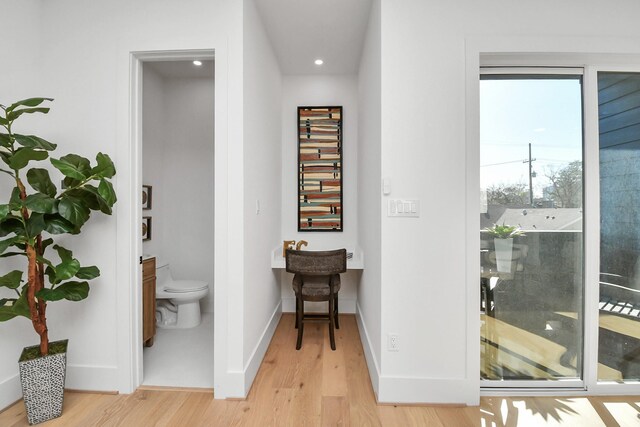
<point>530,160</point>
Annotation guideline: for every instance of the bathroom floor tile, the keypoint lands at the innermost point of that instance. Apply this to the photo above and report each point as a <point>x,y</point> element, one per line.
<point>181,357</point>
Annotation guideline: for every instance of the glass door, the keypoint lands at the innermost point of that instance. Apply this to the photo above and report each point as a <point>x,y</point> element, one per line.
<point>619,284</point>
<point>531,175</point>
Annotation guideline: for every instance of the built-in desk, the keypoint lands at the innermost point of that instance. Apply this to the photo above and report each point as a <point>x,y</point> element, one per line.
<point>354,263</point>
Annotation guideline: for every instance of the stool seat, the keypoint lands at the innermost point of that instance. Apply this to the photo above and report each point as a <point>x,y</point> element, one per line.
<point>314,288</point>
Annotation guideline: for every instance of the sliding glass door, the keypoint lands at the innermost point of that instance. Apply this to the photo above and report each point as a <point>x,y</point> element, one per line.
<point>531,256</point>
<point>619,285</point>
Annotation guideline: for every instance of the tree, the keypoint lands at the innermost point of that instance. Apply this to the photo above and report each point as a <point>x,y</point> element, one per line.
<point>566,185</point>
<point>28,214</point>
<point>508,194</point>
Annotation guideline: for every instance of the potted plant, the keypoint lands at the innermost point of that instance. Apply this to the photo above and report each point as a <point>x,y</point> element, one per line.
<point>35,212</point>
<point>503,240</point>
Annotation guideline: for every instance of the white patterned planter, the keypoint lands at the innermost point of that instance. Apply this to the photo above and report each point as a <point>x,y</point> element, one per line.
<point>43,384</point>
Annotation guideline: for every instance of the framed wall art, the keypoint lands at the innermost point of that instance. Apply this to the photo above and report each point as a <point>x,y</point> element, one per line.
<point>146,197</point>
<point>146,228</point>
<point>320,169</point>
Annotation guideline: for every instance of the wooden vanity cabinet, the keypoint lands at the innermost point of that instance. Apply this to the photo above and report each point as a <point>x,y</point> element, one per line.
<point>148,301</point>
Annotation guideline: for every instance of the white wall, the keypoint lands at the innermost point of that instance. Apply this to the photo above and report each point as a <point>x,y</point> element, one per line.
<point>369,194</point>
<point>320,90</point>
<point>262,164</point>
<point>153,143</point>
<point>19,59</point>
<point>178,163</point>
<point>429,264</point>
<point>83,54</point>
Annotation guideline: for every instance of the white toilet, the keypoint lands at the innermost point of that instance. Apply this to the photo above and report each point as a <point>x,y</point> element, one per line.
<point>177,301</point>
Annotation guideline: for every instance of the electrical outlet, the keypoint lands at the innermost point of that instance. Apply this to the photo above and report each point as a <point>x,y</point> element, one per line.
<point>393,342</point>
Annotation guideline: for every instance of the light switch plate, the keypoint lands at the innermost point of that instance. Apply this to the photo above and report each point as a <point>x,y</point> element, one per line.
<point>407,208</point>
<point>386,186</point>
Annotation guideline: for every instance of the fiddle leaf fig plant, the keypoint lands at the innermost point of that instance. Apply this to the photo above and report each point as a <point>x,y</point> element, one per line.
<point>32,217</point>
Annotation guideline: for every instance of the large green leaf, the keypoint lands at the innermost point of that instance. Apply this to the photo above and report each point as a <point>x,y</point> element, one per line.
<point>24,155</point>
<point>18,307</point>
<point>35,224</point>
<point>12,279</point>
<point>98,202</point>
<point>70,182</point>
<point>73,166</point>
<point>55,224</point>
<point>72,291</point>
<point>42,203</point>
<point>105,167</point>
<point>5,140</point>
<point>88,273</point>
<point>4,244</point>
<point>67,269</point>
<point>74,210</point>
<point>33,141</point>
<point>86,195</point>
<point>29,102</point>
<point>105,188</point>
<point>4,211</point>
<point>46,243</point>
<point>39,179</point>
<point>3,121</point>
<point>64,253</point>
<point>17,113</point>
<point>15,202</point>
<point>11,224</point>
<point>50,271</point>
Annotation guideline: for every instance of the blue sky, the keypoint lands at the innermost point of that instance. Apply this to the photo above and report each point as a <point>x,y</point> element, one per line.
<point>513,113</point>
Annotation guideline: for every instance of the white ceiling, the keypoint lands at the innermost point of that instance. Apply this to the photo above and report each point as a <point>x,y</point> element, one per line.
<point>304,30</point>
<point>181,69</point>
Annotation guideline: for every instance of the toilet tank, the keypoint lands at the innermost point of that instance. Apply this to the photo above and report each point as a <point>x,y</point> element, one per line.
<point>163,275</point>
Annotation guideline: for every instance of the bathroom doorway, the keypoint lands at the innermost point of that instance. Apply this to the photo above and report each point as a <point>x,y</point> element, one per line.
<point>177,211</point>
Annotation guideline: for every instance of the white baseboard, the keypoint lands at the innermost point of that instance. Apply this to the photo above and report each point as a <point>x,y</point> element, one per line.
<point>369,354</point>
<point>94,378</point>
<point>427,390</point>
<point>254,362</point>
<point>238,383</point>
<point>346,305</point>
<point>10,391</point>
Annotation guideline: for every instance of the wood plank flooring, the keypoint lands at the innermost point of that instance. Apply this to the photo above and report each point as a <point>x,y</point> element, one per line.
<point>318,387</point>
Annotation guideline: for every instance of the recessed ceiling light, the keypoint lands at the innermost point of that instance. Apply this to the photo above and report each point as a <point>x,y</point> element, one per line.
<point>319,62</point>
<point>197,63</point>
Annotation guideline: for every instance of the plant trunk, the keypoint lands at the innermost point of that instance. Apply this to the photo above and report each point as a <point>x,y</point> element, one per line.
<point>35,282</point>
<point>37,307</point>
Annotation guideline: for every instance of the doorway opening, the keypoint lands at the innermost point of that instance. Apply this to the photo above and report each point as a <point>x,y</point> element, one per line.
<point>176,209</point>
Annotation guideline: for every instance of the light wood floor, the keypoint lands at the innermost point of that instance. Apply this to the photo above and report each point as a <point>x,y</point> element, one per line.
<point>318,387</point>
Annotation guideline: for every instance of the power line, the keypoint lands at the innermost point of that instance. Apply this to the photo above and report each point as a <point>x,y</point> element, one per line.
<point>504,163</point>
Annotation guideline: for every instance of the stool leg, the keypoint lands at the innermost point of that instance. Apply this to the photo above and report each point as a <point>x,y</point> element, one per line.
<point>300,316</point>
<point>336,314</point>
<point>332,320</point>
<point>297,309</point>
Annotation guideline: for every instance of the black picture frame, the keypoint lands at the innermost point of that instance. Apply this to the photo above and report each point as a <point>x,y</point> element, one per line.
<point>146,197</point>
<point>146,228</point>
<point>300,171</point>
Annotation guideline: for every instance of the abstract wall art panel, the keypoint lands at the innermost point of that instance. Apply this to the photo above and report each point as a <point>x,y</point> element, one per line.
<point>320,169</point>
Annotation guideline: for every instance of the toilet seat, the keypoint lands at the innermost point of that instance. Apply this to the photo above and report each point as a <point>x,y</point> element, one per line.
<point>183,286</point>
